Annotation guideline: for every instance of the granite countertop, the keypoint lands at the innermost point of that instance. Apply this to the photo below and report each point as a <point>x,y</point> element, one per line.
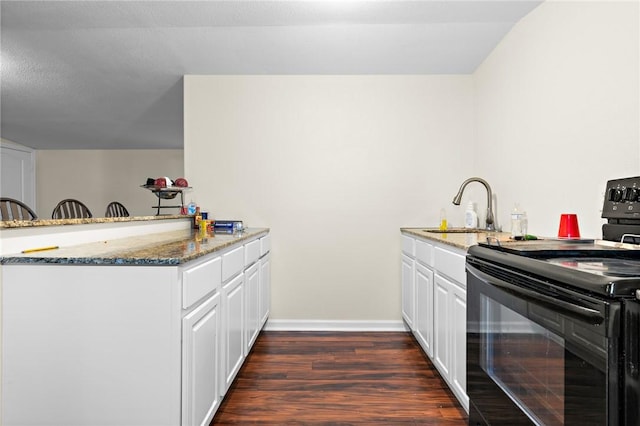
<point>167,248</point>
<point>57,222</point>
<point>462,240</point>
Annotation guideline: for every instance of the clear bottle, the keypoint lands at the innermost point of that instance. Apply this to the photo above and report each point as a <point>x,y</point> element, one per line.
<point>516,223</point>
<point>470,216</point>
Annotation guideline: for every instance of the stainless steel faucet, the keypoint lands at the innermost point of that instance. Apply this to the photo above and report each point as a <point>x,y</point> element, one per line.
<point>489,225</point>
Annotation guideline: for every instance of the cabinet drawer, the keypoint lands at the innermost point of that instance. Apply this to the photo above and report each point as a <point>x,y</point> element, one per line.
<point>424,252</point>
<point>408,245</point>
<point>200,280</point>
<point>251,252</point>
<point>265,245</point>
<point>232,263</point>
<point>450,264</point>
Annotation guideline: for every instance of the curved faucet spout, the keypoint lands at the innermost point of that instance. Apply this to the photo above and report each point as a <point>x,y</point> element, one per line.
<point>458,198</point>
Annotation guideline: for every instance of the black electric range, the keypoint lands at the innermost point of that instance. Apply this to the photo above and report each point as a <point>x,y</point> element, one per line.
<point>553,325</point>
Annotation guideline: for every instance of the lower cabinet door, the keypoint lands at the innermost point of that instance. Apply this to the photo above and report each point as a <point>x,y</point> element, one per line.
<point>265,288</point>
<point>408,290</point>
<point>459,344</point>
<point>441,334</point>
<point>424,308</point>
<point>233,329</point>
<point>252,305</point>
<point>201,363</point>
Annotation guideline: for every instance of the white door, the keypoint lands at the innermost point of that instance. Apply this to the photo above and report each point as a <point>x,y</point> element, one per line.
<point>265,288</point>
<point>252,305</point>
<point>408,289</point>
<point>233,329</point>
<point>424,308</point>
<point>441,345</point>
<point>201,363</point>
<point>17,173</point>
<point>459,343</point>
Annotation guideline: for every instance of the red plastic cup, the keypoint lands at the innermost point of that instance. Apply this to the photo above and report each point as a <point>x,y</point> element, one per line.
<point>569,226</point>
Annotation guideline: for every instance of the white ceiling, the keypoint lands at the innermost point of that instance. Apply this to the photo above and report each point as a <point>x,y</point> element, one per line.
<point>108,74</point>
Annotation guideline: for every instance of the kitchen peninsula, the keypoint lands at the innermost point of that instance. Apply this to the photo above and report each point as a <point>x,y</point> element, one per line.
<point>139,321</point>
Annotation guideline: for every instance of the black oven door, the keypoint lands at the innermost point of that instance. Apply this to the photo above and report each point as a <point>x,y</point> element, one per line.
<point>538,353</point>
<point>632,363</point>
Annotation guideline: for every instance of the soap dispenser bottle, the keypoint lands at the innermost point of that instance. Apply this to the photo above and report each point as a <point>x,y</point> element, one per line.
<point>443,219</point>
<point>470,216</point>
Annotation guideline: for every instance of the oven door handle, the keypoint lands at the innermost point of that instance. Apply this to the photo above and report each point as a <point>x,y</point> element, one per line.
<point>585,313</point>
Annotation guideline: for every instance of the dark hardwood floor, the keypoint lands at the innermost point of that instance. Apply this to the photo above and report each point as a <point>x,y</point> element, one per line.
<point>340,379</point>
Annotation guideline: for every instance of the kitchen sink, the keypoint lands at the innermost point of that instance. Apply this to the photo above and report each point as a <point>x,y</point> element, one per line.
<point>456,231</point>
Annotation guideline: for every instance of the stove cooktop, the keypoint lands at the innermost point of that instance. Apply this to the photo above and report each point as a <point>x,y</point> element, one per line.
<point>566,248</point>
<point>607,267</point>
<point>594,267</point>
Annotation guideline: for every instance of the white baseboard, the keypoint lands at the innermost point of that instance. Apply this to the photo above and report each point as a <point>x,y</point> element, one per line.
<point>334,325</point>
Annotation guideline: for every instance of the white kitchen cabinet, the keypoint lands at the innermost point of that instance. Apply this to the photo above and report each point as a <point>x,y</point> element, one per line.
<point>265,245</point>
<point>458,301</point>
<point>251,252</point>
<point>407,279</point>
<point>265,288</point>
<point>252,293</point>
<point>423,281</point>
<point>232,263</point>
<point>450,346</point>
<point>408,290</point>
<point>441,325</point>
<point>252,305</point>
<point>424,308</point>
<point>201,356</point>
<point>201,363</point>
<point>200,279</point>
<point>450,319</point>
<point>434,306</point>
<point>126,344</point>
<point>233,335</point>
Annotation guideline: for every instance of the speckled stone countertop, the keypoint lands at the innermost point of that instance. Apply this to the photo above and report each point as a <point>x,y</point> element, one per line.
<point>462,240</point>
<point>167,248</point>
<point>58,222</point>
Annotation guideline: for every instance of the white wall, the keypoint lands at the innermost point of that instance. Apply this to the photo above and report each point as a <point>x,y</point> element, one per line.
<point>97,177</point>
<point>558,111</point>
<point>334,165</point>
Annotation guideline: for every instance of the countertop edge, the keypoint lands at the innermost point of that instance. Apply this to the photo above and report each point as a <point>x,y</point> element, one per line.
<point>136,255</point>
<point>459,240</point>
<point>20,224</point>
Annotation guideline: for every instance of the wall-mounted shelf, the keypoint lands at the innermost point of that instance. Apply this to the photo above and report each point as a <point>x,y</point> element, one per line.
<point>167,193</point>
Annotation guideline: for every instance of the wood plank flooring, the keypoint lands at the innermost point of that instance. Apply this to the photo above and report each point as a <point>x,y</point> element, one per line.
<point>339,379</point>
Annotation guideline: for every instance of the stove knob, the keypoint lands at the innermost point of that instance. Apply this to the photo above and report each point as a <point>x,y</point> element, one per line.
<point>615,194</point>
<point>631,194</point>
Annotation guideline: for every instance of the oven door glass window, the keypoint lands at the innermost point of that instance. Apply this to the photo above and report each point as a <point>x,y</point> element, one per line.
<point>525,360</point>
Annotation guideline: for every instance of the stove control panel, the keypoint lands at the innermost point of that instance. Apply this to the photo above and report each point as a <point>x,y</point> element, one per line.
<point>622,199</point>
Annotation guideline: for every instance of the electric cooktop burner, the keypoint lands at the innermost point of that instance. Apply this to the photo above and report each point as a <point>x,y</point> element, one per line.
<point>566,248</point>
<point>609,267</point>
